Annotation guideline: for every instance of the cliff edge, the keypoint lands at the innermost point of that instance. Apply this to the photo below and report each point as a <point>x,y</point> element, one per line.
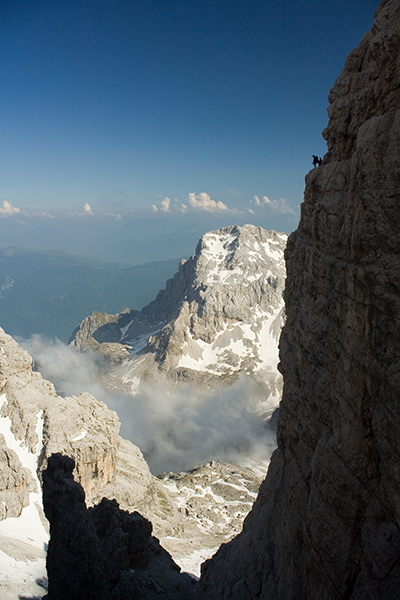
<point>326,521</point>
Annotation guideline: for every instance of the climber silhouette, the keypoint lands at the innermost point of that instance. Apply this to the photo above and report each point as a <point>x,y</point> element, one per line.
<point>316,161</point>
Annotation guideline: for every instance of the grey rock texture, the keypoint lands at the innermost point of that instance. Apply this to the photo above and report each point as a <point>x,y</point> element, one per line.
<point>44,423</point>
<point>103,552</point>
<point>99,332</point>
<point>214,500</point>
<point>326,524</point>
<point>16,483</point>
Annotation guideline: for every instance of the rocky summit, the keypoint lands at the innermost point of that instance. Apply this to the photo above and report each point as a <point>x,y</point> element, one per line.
<point>326,524</point>
<point>218,317</point>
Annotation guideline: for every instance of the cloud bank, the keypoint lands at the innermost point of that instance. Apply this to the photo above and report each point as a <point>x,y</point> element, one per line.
<point>176,428</point>
<point>196,202</point>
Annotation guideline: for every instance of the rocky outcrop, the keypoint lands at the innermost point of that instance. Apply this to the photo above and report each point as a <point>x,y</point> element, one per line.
<point>100,332</point>
<point>16,483</point>
<point>43,422</point>
<point>103,552</point>
<point>326,524</point>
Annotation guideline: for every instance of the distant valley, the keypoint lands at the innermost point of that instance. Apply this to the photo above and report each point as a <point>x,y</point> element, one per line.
<point>50,292</point>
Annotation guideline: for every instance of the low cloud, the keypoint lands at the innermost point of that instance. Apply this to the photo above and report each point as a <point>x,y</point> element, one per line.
<point>86,210</point>
<point>203,202</point>
<point>8,209</point>
<point>113,215</point>
<point>43,215</point>
<point>176,427</point>
<point>197,202</point>
<point>280,206</point>
<point>164,205</point>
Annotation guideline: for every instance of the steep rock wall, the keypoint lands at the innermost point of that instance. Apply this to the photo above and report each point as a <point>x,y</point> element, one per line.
<point>326,521</point>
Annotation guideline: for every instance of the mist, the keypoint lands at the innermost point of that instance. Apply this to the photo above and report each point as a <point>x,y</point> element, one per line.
<point>175,427</point>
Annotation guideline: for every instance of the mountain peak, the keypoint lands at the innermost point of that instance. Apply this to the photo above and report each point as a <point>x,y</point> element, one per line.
<point>218,317</point>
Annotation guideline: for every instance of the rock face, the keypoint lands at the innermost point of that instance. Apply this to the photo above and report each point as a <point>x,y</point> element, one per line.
<point>103,552</point>
<point>220,315</point>
<point>34,421</point>
<point>43,422</point>
<point>326,521</point>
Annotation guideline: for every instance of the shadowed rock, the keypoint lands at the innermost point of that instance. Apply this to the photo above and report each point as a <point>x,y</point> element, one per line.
<point>102,553</point>
<point>75,563</point>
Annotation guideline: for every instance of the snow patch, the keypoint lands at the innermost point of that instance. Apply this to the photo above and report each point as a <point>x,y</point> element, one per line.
<point>80,436</point>
<point>28,528</point>
<point>234,344</point>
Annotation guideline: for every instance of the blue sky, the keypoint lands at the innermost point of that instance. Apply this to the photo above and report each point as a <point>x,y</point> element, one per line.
<point>170,115</point>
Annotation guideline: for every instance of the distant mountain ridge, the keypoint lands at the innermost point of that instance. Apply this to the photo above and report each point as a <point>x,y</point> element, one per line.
<point>48,292</point>
<point>219,316</point>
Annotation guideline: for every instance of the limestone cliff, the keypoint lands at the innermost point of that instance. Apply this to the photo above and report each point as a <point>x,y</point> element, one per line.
<point>326,521</point>
<point>42,422</point>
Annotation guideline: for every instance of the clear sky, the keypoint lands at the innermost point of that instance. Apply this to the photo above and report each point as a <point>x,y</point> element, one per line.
<point>163,112</point>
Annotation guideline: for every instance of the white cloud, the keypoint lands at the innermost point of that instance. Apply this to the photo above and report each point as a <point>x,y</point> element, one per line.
<point>280,206</point>
<point>165,204</point>
<point>8,209</point>
<point>44,215</point>
<point>116,216</point>
<point>173,433</point>
<point>86,210</point>
<point>203,201</point>
<point>195,202</point>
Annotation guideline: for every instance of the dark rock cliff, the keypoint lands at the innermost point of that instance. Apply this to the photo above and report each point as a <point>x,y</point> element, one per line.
<point>326,522</point>
<point>102,553</point>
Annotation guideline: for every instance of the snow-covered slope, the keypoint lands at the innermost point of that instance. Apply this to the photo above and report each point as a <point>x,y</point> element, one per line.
<point>23,537</point>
